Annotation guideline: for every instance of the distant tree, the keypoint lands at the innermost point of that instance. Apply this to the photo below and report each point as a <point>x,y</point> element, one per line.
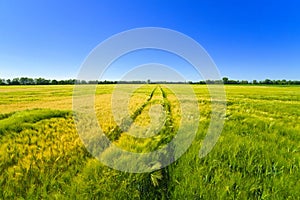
<point>296,82</point>
<point>283,82</point>
<point>46,82</point>
<point>26,81</point>
<point>93,82</point>
<point>225,80</point>
<point>232,82</point>
<point>30,81</point>
<point>255,82</point>
<point>245,82</point>
<point>148,81</point>
<point>110,82</point>
<point>15,81</point>
<point>23,81</point>
<point>267,81</point>
<point>209,82</point>
<point>39,81</point>
<point>42,81</point>
<point>61,82</point>
<point>8,81</point>
<point>218,81</point>
<point>83,82</point>
<point>54,82</point>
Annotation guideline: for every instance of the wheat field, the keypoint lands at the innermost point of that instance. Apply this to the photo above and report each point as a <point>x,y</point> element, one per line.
<point>256,157</point>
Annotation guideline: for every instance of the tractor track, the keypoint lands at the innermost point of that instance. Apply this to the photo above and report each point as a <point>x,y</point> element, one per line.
<point>147,188</point>
<point>116,132</point>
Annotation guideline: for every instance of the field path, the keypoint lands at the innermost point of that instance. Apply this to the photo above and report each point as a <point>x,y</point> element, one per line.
<point>115,133</point>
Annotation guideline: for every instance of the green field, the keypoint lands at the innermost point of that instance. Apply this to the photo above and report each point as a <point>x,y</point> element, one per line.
<point>256,157</point>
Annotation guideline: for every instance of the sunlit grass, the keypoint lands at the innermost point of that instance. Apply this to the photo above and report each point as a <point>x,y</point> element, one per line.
<point>256,157</point>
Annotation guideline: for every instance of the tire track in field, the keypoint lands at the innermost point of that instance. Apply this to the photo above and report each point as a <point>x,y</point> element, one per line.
<point>168,131</point>
<point>153,185</point>
<point>116,132</point>
<point>167,106</point>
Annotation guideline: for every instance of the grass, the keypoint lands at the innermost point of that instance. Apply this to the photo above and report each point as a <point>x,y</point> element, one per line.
<point>256,157</point>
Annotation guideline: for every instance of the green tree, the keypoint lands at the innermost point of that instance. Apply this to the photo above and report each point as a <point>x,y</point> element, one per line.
<point>267,81</point>
<point>30,81</point>
<point>54,82</point>
<point>23,80</point>
<point>225,80</point>
<point>15,81</point>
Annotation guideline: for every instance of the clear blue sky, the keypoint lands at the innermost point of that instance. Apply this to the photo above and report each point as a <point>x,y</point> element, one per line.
<point>246,39</point>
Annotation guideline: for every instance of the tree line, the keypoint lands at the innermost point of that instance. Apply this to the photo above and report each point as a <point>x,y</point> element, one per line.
<point>225,80</point>
<point>43,81</point>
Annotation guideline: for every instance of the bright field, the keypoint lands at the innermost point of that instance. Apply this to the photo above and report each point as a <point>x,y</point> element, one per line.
<point>256,157</point>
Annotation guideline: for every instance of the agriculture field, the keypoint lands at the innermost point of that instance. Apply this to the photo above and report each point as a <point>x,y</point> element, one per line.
<point>256,157</point>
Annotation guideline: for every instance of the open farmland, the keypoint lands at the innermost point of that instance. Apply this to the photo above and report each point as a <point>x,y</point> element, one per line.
<point>257,155</point>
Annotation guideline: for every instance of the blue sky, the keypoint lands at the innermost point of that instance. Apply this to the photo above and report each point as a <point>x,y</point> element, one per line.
<point>246,39</point>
